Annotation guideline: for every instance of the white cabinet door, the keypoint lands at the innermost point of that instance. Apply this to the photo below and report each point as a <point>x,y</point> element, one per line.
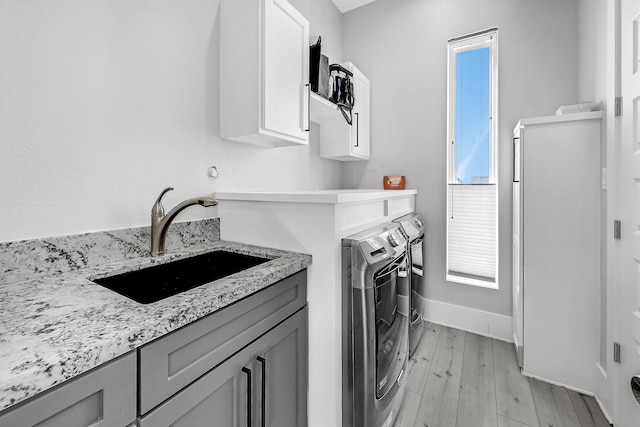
<point>361,126</point>
<point>264,72</point>
<point>286,71</point>
<point>338,140</point>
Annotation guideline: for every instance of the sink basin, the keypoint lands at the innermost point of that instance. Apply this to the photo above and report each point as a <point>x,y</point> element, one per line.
<point>162,281</point>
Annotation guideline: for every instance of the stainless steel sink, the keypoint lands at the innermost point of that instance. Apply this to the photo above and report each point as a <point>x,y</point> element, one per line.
<point>162,281</point>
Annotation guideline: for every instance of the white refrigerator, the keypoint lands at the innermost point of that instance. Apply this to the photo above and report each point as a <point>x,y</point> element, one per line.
<point>556,247</point>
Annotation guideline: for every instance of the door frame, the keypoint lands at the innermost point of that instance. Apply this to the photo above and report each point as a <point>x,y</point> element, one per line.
<point>623,288</point>
<point>609,394</point>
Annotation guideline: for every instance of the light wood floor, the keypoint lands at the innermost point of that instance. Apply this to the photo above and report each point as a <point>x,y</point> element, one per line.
<point>461,379</point>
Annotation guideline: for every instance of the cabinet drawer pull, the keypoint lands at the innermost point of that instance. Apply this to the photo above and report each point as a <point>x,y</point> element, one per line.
<point>248,372</point>
<point>263,411</point>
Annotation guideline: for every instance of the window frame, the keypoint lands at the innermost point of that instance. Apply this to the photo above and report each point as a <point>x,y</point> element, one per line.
<point>487,38</point>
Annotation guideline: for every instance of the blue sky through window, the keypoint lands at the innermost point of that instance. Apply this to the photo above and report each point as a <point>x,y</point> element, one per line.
<point>472,116</point>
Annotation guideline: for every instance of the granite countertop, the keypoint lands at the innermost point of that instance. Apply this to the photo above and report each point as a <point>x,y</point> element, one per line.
<point>57,325</point>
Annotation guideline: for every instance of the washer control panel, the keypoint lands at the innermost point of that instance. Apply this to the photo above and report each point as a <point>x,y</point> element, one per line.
<point>394,239</point>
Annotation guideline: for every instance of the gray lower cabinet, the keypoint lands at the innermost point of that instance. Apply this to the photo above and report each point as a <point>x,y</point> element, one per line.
<point>242,366</point>
<point>104,397</point>
<point>264,384</point>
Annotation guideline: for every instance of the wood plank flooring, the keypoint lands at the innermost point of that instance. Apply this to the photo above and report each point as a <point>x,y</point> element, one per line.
<point>460,379</point>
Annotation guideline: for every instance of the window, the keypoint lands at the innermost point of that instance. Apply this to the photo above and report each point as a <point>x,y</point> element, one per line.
<point>472,170</point>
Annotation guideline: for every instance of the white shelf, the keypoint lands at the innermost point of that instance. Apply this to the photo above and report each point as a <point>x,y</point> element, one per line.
<point>315,196</point>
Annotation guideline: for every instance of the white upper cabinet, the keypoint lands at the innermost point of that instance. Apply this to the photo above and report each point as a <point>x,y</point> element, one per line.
<point>361,126</point>
<point>264,73</point>
<point>338,139</point>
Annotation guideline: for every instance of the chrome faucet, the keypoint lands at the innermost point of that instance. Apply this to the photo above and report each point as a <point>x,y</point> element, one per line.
<point>160,222</point>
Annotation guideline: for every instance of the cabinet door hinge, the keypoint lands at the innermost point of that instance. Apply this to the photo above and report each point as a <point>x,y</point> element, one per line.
<point>617,101</point>
<point>617,229</point>
<point>616,352</point>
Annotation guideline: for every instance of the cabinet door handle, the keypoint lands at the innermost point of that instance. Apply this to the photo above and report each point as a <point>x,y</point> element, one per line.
<point>248,372</point>
<point>263,411</point>
<point>357,129</point>
<point>308,85</point>
<point>516,159</point>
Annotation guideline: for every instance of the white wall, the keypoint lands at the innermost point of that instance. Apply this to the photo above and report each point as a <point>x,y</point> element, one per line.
<point>592,45</point>
<point>105,103</point>
<point>401,45</point>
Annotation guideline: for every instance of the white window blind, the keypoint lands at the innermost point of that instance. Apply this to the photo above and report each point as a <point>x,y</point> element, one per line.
<point>472,231</point>
<point>472,153</point>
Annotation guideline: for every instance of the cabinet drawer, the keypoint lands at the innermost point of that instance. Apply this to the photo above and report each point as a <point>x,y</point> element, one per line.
<point>172,362</point>
<point>104,397</point>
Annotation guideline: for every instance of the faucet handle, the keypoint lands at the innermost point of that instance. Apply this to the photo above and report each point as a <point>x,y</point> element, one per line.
<point>158,209</point>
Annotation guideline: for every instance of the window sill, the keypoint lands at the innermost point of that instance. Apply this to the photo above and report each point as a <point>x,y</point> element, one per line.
<point>482,283</point>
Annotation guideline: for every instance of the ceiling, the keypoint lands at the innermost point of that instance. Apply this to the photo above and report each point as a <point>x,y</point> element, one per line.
<point>347,5</point>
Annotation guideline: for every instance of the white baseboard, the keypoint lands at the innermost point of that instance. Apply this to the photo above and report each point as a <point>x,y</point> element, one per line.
<point>602,371</point>
<point>559,384</point>
<point>479,322</point>
<point>603,408</point>
<point>599,401</point>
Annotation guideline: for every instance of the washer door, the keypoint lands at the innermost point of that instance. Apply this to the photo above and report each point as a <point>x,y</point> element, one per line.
<point>391,324</point>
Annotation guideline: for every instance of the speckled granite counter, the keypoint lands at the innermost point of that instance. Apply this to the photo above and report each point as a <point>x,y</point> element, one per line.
<point>55,323</point>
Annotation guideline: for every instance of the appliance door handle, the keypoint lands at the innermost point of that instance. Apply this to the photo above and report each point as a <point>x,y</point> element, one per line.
<point>403,270</point>
<point>263,410</point>
<point>397,265</point>
<point>416,257</point>
<point>247,371</point>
